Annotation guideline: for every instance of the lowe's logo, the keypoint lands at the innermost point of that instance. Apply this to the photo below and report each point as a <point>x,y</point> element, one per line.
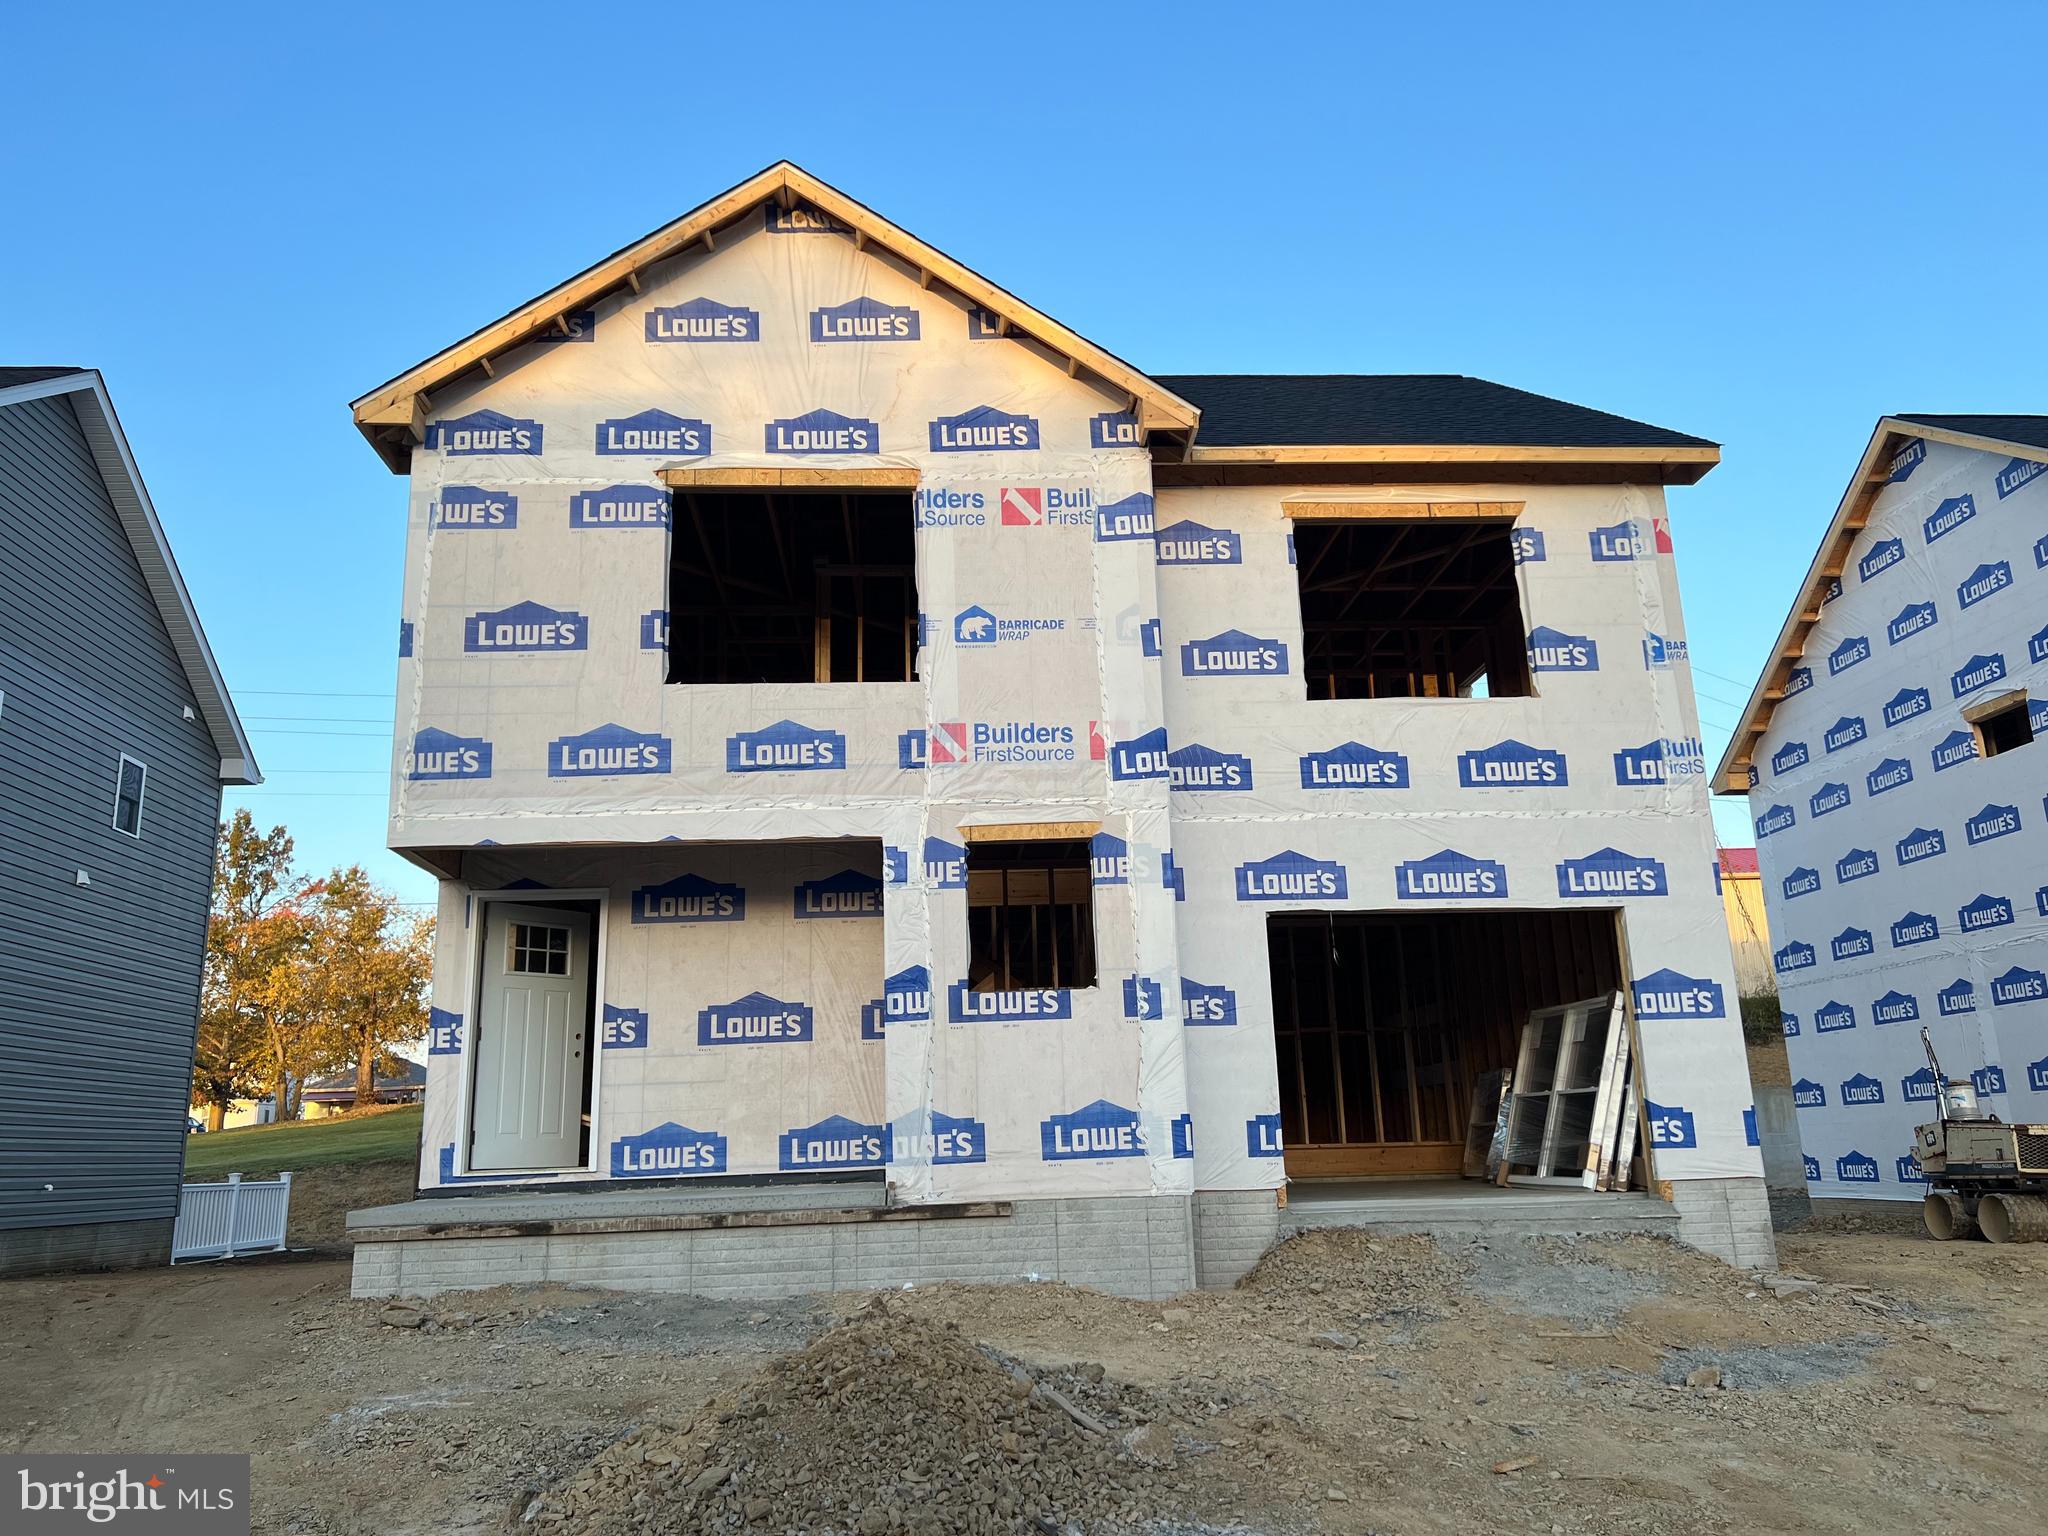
<point>984,430</point>
<point>1204,1004</point>
<point>1912,619</point>
<point>576,325</point>
<point>484,433</point>
<point>1959,996</point>
<point>1985,581</point>
<point>1829,797</point>
<point>2017,472</point>
<point>1905,704</point>
<point>1625,540</point>
<point>1130,518</point>
<point>1856,1168</point>
<point>1921,843</point>
<point>1844,656</point>
<point>846,894</point>
<point>1812,1166</point>
<point>1798,680</point>
<point>1669,994</point>
<point>822,432</point>
<point>1021,1005</point>
<point>2037,1075</point>
<point>1195,768</point>
<point>756,1019</point>
<point>907,996</point>
<point>1986,911</point>
<point>1657,762</point>
<point>834,1142</point>
<point>1661,651</point>
<point>1791,1024</point>
<point>1888,775</point>
<point>2018,985</point>
<point>444,1032</point>
<point>653,432</point>
<point>942,1140</point>
<point>864,319</point>
<point>525,627</point>
<point>1774,820</point>
<point>1852,944</point>
<point>1977,672</point>
<point>703,320</point>
<point>1233,653</point>
<point>1863,1089</point>
<point>1512,765</point>
<point>1109,860</point>
<point>1832,1016</point>
<point>1988,1080</point>
<point>1526,546</point>
<point>1144,998</point>
<point>1795,956</point>
<point>785,747</point>
<point>1993,821</point>
<point>1915,928</point>
<point>802,219</point>
<point>1184,1135</point>
<point>1262,1136</point>
<point>1909,1171</point>
<point>1895,1007</point>
<point>1354,766</point>
<point>1142,757</point>
<point>1101,1129</point>
<point>1856,864</point>
<point>1807,1094</point>
<point>1804,882</point>
<point>1949,516</point>
<point>1115,429</point>
<point>669,1150</point>
<point>1610,872</point>
<point>619,506</point>
<point>2037,646</point>
<point>1831,591</point>
<point>654,630</point>
<point>1845,732</point>
<point>1956,747</point>
<point>1552,650</point>
<point>623,1029</point>
<point>607,750</point>
<point>438,754</point>
<point>1670,1127</point>
<point>945,865</point>
<point>1884,554</point>
<point>1907,459</point>
<point>1192,543</point>
<point>1449,876</point>
<point>1793,754</point>
<point>690,899</point>
<point>1291,876</point>
<point>469,506</point>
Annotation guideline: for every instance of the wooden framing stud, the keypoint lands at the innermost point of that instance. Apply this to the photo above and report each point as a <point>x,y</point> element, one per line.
<point>1029,832</point>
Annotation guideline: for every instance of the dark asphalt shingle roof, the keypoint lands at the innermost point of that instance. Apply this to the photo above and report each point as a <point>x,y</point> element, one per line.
<point>1441,409</point>
<point>9,377</point>
<point>2030,430</point>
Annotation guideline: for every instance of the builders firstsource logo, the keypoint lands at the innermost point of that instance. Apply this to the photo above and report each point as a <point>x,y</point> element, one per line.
<point>609,750</point>
<point>689,899</point>
<point>484,433</point>
<point>822,432</point>
<point>468,506</point>
<point>785,747</point>
<point>1670,994</point>
<point>437,754</point>
<point>668,1151</point>
<point>653,432</point>
<point>1450,876</point>
<point>619,506</point>
<point>1291,876</point>
<point>756,1019</point>
<point>703,320</point>
<point>984,430</point>
<point>954,742</point>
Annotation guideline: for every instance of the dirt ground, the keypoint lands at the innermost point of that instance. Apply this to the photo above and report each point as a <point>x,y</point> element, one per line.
<point>1352,1385</point>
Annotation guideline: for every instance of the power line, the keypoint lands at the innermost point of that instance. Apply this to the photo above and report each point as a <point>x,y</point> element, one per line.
<point>324,719</point>
<point>307,693</point>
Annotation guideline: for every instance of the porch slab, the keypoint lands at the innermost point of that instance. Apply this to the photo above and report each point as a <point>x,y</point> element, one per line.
<point>1453,1207</point>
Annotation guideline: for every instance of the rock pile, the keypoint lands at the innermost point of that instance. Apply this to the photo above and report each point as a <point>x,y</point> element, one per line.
<point>885,1424</point>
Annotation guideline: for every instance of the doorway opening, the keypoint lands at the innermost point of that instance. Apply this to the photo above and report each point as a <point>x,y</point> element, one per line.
<point>1383,1020</point>
<point>533,1042</point>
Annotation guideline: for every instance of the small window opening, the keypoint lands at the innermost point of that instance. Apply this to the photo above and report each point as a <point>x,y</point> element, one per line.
<point>539,950</point>
<point>1394,609</point>
<point>128,796</point>
<point>1030,915</point>
<point>2001,724</point>
<point>792,587</point>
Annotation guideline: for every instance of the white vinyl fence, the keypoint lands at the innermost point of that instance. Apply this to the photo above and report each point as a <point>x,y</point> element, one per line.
<point>218,1221</point>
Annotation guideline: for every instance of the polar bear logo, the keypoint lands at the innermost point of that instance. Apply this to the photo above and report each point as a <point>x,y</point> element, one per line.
<point>975,626</point>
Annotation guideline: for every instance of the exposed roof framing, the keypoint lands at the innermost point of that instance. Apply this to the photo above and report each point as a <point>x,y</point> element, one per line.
<point>393,415</point>
<point>87,392</point>
<point>2024,437</point>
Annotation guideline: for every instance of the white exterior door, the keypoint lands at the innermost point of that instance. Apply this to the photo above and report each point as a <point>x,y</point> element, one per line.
<point>533,1028</point>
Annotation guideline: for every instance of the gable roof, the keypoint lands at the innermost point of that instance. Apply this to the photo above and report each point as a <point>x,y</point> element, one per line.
<point>2024,437</point>
<point>87,392</point>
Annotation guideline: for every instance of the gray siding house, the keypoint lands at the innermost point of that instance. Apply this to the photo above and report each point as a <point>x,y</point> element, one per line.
<point>116,735</point>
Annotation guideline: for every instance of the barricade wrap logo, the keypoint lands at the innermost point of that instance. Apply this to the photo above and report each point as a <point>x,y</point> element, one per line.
<point>1856,1168</point>
<point>1807,1094</point>
<point>1856,864</point>
<point>834,1142</point>
<point>1958,997</point>
<point>785,747</point>
<point>1553,650</point>
<point>1191,543</point>
<point>1831,1017</point>
<point>1670,994</point>
<point>1846,655</point>
<point>864,319</point>
<point>1949,516</point>
<point>620,506</point>
<point>1101,1129</point>
<point>1354,765</point>
<point>1291,876</point>
<point>1022,1005</point>
<point>1895,1007</point>
<point>1233,653</point>
<point>978,626</point>
<point>846,894</point>
<point>1196,769</point>
<point>444,1032</point>
<point>1512,765</point>
<point>1610,873</point>
<point>1115,429</point>
<point>703,320</point>
<point>2017,472</point>
<point>1203,1004</point>
<point>437,754</point>
<point>607,751</point>
<point>622,1029</point>
<point>469,506</point>
<point>525,627</point>
<point>668,1151</point>
<point>1450,876</point>
<point>984,430</point>
<point>690,899</point>
<point>822,432</point>
<point>1661,652</point>
<point>1915,928</point>
<point>1986,581</point>
<point>1795,956</point>
<point>1884,554</point>
<point>484,434</point>
<point>1986,911</point>
<point>1670,1126</point>
<point>653,432</point>
<point>1262,1136</point>
<point>1118,522</point>
<point>756,1019</point>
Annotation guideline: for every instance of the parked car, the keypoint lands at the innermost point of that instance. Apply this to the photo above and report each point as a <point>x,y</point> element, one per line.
<point>194,1126</point>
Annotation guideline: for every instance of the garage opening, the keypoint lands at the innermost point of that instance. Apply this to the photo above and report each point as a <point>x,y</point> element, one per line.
<point>1383,1021</point>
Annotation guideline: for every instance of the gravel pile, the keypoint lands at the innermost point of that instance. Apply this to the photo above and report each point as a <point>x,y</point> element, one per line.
<point>884,1424</point>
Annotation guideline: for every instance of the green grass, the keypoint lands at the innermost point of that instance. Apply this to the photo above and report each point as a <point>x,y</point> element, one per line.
<point>376,1138</point>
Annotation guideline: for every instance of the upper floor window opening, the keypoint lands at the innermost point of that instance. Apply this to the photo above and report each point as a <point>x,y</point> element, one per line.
<point>2001,724</point>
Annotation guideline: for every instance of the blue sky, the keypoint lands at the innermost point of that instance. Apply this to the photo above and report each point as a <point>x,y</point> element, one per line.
<point>1765,225</point>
